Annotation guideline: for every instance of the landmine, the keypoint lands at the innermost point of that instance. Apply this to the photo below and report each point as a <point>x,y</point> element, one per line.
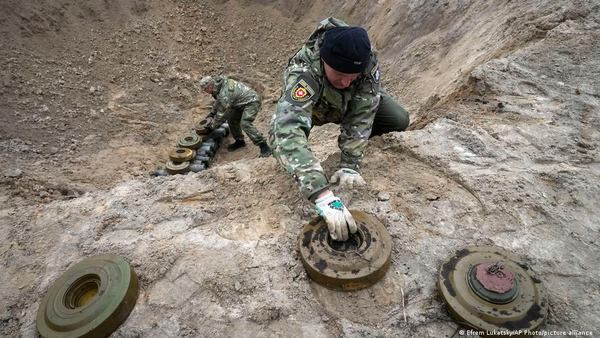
<point>487,289</point>
<point>91,299</point>
<point>182,154</point>
<point>194,152</point>
<point>357,263</point>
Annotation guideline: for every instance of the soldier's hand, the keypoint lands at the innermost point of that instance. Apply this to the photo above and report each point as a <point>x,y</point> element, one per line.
<point>348,178</point>
<point>339,220</point>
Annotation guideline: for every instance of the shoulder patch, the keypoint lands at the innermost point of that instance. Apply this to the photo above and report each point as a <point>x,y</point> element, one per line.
<point>303,90</point>
<point>230,84</point>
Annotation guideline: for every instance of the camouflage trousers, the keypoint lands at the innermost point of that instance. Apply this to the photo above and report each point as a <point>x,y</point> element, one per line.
<point>242,119</point>
<point>390,116</point>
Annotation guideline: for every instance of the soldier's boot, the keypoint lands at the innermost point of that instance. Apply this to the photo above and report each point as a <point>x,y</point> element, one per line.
<point>265,150</point>
<point>236,145</point>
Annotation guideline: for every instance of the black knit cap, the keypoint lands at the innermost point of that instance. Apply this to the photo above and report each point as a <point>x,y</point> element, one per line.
<point>346,49</point>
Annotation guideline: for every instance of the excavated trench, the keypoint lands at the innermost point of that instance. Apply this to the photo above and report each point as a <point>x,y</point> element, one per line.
<point>502,150</point>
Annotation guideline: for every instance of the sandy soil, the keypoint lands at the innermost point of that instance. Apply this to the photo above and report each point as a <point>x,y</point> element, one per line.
<point>503,149</point>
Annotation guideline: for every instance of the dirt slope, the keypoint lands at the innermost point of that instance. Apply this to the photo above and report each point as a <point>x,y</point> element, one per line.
<point>503,150</point>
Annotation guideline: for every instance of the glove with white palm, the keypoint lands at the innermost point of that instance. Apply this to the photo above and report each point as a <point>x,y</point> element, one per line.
<point>348,178</point>
<point>339,220</point>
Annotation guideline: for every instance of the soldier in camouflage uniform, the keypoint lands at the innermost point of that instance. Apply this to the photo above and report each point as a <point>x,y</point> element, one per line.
<point>334,77</point>
<point>238,104</point>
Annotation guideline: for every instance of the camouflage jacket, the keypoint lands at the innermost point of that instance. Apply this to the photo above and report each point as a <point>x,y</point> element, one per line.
<point>229,95</point>
<point>308,99</point>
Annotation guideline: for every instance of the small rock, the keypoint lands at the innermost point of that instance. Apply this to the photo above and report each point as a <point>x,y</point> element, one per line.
<point>237,286</point>
<point>432,197</point>
<point>396,217</point>
<point>14,173</point>
<point>383,196</point>
<point>89,138</point>
<point>92,89</point>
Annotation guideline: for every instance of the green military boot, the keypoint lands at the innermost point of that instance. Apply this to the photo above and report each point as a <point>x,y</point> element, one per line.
<point>236,145</point>
<point>265,150</point>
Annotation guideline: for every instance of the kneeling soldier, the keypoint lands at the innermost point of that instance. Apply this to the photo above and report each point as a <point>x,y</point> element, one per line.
<point>238,104</point>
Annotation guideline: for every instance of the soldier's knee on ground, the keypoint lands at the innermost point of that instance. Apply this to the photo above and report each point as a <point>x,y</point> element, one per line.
<point>402,118</point>
<point>390,116</point>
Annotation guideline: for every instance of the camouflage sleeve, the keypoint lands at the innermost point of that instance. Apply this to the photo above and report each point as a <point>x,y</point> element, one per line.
<point>222,108</point>
<point>289,131</point>
<point>356,125</point>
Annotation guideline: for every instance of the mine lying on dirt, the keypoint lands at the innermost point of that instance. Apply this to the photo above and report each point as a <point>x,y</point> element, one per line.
<point>503,150</point>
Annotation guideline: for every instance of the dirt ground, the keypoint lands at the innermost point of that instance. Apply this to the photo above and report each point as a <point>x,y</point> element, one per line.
<point>503,149</point>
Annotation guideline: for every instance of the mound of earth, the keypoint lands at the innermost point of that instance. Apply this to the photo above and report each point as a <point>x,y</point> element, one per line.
<point>503,149</point>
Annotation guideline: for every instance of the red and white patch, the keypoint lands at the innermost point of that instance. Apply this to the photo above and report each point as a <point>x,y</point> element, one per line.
<point>302,92</point>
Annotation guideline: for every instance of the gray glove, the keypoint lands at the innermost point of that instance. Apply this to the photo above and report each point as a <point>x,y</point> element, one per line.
<point>348,178</point>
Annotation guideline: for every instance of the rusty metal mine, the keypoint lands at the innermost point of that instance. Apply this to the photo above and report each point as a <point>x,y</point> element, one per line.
<point>351,265</point>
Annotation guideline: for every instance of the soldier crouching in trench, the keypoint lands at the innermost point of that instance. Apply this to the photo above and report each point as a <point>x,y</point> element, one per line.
<point>236,103</point>
<point>334,77</point>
